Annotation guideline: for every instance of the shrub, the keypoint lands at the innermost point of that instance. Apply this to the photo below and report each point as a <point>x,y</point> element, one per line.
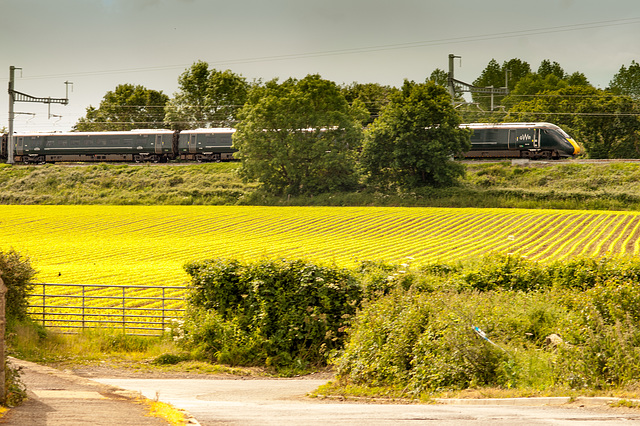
<point>17,274</point>
<point>507,272</point>
<point>423,342</point>
<point>274,312</point>
<point>421,338</point>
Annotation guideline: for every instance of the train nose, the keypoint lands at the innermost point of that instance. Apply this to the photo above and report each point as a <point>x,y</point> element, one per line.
<point>576,147</point>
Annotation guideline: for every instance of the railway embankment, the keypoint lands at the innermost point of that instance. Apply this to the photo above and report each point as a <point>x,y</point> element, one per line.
<point>568,184</point>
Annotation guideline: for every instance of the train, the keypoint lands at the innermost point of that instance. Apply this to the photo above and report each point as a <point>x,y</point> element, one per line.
<point>502,140</point>
<point>157,146</point>
<point>520,140</point>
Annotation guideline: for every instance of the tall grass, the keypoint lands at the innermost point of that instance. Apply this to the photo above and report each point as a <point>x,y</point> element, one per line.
<point>505,322</point>
<point>30,341</point>
<point>213,184</point>
<point>562,185</point>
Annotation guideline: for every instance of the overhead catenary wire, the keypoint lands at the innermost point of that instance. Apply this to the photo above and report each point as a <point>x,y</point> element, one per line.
<point>360,50</point>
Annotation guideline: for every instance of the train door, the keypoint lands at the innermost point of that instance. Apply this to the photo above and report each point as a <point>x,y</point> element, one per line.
<point>192,143</point>
<point>536,138</point>
<point>19,146</point>
<point>158,145</point>
<point>524,138</point>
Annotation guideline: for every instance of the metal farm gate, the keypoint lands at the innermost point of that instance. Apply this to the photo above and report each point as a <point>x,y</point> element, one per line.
<point>136,310</point>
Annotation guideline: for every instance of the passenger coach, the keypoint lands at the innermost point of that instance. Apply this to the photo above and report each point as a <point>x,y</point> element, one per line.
<point>156,146</point>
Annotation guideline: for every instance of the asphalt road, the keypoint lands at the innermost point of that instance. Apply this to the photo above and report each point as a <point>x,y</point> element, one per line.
<point>283,402</point>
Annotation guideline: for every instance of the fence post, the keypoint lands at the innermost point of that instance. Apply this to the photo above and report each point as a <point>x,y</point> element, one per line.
<point>163,311</point>
<point>83,308</point>
<point>3,292</point>
<point>44,303</point>
<point>124,329</point>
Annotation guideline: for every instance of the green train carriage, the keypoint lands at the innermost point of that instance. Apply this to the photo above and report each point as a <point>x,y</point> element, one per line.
<point>130,146</point>
<point>156,146</point>
<point>520,140</point>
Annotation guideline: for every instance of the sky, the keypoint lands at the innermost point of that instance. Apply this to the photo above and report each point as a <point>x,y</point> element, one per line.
<point>99,44</point>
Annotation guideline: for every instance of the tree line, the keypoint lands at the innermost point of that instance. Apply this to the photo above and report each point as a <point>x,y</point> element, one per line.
<point>311,135</point>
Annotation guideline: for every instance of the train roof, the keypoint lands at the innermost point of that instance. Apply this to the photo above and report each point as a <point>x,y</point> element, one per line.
<point>111,133</point>
<point>539,124</point>
<point>126,132</point>
<point>210,130</point>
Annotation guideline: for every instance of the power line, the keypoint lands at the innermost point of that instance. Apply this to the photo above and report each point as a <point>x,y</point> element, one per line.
<point>367,49</point>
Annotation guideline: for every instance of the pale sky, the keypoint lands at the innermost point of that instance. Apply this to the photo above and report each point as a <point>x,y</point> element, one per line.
<point>98,44</point>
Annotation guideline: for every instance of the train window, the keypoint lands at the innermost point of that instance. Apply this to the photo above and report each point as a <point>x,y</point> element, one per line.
<point>477,136</point>
<point>50,144</point>
<point>75,143</point>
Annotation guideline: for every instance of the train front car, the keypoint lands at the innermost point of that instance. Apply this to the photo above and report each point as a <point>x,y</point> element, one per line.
<point>520,140</point>
<point>126,146</point>
<point>206,145</point>
<point>554,137</point>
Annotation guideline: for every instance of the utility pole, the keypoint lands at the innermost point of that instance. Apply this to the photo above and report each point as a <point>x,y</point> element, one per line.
<point>3,358</point>
<point>12,72</point>
<point>451,79</point>
<point>15,96</point>
<point>466,87</point>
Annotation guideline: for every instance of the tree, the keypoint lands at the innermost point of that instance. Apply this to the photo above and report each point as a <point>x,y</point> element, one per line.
<point>439,77</point>
<point>207,98</point>
<point>413,142</point>
<point>627,81</point>
<point>373,95</point>
<point>515,70</point>
<point>127,107</point>
<point>607,125</point>
<point>551,68</point>
<point>511,72</point>
<point>17,273</point>
<point>299,137</point>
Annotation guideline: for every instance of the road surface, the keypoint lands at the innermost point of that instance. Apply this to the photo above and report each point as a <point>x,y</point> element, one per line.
<point>283,402</point>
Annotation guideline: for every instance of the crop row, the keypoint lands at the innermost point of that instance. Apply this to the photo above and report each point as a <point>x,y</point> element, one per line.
<point>132,245</point>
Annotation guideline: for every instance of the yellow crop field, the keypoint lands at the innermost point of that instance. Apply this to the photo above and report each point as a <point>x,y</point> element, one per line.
<point>134,245</point>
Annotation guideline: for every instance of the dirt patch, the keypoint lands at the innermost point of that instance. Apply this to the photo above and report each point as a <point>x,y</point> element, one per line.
<point>152,372</point>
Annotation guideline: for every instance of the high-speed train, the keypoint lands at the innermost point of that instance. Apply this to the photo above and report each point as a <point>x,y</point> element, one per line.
<point>127,146</point>
<point>502,140</point>
<point>520,140</point>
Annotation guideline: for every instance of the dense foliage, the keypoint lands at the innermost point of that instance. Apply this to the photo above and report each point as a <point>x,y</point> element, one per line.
<point>206,98</point>
<point>604,121</point>
<point>503,322</point>
<point>627,81</point>
<point>607,125</point>
<point>282,314</point>
<point>127,107</point>
<point>17,273</point>
<point>413,142</point>
<point>299,137</point>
